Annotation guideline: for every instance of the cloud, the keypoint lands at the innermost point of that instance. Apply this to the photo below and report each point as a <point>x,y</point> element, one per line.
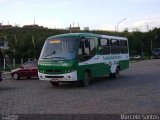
<point>4,1</point>
<point>147,24</point>
<point>138,25</point>
<point>7,1</point>
<point>107,27</point>
<point>143,1</point>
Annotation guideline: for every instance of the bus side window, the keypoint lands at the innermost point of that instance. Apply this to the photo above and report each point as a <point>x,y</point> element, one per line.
<point>104,46</point>
<point>124,46</point>
<point>115,48</point>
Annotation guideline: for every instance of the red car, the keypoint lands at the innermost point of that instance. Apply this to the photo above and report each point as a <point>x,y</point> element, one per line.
<point>28,69</point>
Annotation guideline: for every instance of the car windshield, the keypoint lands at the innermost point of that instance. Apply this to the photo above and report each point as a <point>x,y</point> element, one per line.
<point>60,48</point>
<point>30,64</point>
<point>157,50</point>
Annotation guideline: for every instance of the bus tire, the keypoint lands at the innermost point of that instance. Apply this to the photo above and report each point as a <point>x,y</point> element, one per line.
<point>86,79</point>
<point>116,74</point>
<point>54,83</point>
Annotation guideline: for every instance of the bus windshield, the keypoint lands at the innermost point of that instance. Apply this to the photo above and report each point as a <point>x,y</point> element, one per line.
<point>60,48</point>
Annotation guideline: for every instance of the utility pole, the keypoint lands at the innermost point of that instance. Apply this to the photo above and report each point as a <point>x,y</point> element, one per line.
<point>151,47</point>
<point>120,22</point>
<point>142,49</point>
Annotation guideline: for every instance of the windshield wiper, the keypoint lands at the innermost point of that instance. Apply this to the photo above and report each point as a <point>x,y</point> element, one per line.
<point>54,57</point>
<point>44,58</point>
<point>54,52</point>
<point>58,57</point>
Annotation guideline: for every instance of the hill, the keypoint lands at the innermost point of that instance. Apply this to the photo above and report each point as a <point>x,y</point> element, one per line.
<point>28,42</point>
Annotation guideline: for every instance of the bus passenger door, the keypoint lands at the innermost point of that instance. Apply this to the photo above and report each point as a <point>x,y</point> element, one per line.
<point>87,54</point>
<point>87,49</point>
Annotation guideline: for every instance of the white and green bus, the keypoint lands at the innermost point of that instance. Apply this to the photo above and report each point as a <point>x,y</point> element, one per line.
<point>82,56</point>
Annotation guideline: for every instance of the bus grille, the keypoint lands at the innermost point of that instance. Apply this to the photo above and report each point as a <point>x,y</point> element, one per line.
<point>54,71</point>
<point>54,76</point>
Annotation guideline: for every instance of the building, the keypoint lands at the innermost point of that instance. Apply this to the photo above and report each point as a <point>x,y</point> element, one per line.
<point>74,29</point>
<point>32,26</point>
<point>5,26</point>
<point>86,28</point>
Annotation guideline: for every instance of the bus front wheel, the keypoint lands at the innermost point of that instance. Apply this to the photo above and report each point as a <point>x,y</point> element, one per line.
<point>86,79</point>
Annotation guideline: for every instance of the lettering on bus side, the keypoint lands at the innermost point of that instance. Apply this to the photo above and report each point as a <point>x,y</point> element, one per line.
<point>111,57</point>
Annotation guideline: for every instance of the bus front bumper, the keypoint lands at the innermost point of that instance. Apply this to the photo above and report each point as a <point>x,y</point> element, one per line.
<point>59,77</point>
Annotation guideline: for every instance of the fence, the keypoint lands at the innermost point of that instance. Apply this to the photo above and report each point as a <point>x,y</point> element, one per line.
<point>13,63</point>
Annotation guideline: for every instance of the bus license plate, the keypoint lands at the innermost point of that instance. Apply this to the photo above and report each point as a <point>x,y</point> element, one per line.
<point>55,80</point>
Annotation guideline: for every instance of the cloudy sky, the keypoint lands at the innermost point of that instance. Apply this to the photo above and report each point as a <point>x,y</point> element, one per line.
<point>95,14</point>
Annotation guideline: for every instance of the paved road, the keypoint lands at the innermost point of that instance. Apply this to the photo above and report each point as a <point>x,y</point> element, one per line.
<point>137,91</point>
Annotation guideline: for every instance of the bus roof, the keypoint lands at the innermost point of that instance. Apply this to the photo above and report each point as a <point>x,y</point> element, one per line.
<point>112,37</point>
<point>87,35</point>
<point>72,35</point>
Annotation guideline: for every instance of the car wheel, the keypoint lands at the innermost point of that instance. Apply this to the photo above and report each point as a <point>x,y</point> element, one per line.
<point>16,76</point>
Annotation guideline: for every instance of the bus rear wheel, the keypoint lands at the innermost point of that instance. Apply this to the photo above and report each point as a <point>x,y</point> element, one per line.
<point>54,83</point>
<point>116,74</point>
<point>86,79</point>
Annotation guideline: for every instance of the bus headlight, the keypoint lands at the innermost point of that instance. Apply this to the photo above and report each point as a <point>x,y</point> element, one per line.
<point>69,71</point>
<point>41,71</point>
